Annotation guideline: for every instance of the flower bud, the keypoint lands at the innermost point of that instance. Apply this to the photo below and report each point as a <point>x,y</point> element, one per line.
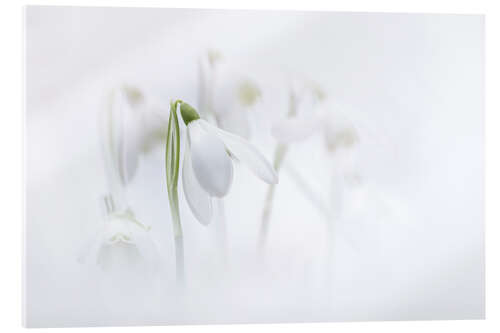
<point>188,113</point>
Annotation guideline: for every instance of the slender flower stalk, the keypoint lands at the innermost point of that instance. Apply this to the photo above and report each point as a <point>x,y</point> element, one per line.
<point>172,158</point>
<point>279,156</point>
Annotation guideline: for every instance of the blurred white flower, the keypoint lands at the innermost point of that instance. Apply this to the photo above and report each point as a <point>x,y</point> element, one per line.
<point>132,125</point>
<point>123,243</point>
<point>207,167</point>
<point>311,113</point>
<point>314,114</point>
<point>339,132</point>
<point>227,94</point>
<point>233,102</point>
<point>206,72</point>
<point>127,263</point>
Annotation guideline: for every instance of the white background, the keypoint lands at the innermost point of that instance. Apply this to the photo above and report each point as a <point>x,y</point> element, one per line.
<point>414,84</point>
<point>14,216</point>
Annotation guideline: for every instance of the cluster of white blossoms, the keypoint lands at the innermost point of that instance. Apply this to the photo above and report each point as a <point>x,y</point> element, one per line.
<point>133,124</point>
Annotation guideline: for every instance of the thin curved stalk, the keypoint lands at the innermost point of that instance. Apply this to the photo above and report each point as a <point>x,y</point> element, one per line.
<point>279,156</point>
<point>172,161</point>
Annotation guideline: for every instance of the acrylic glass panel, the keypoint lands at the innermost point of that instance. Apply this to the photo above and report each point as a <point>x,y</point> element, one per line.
<point>349,188</point>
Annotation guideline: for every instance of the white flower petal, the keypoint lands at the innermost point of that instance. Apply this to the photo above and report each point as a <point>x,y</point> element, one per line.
<point>246,153</point>
<point>212,165</point>
<point>117,229</point>
<point>197,198</point>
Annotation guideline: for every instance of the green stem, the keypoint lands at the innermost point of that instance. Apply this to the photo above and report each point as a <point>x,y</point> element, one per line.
<point>178,238</point>
<point>172,161</point>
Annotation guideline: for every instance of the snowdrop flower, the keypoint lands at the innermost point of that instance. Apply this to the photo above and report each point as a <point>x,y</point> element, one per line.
<point>340,134</point>
<point>227,94</point>
<point>310,114</point>
<point>314,115</point>
<point>133,125</point>
<point>207,170</point>
<point>122,241</point>
<point>206,73</point>
<point>126,262</point>
<point>233,103</point>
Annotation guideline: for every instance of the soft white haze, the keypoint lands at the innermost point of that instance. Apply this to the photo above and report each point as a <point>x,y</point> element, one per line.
<point>408,243</point>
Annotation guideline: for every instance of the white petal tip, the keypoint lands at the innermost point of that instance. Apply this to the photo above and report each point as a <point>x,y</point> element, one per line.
<point>205,219</point>
<point>204,222</point>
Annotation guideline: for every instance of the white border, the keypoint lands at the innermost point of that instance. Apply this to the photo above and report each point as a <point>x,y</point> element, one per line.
<point>11,149</point>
